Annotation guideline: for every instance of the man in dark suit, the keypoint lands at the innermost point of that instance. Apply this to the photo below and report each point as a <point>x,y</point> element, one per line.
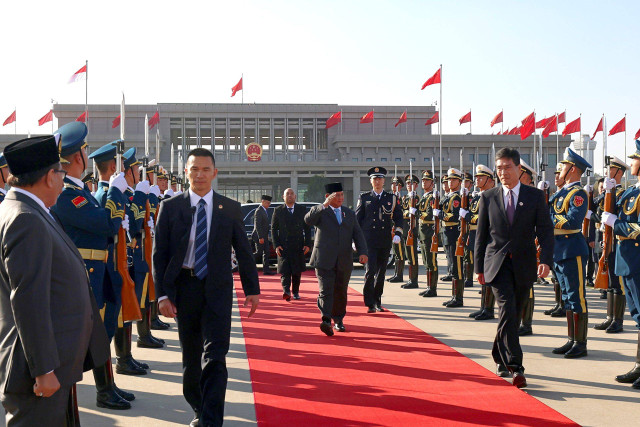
<point>292,240</point>
<point>50,329</point>
<point>336,229</point>
<point>260,234</point>
<point>509,219</point>
<point>194,235</point>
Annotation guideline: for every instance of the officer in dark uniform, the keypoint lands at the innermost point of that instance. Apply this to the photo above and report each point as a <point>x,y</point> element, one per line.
<point>377,213</point>
<point>90,226</point>
<point>468,247</point>
<point>399,251</point>
<point>410,234</point>
<point>448,213</point>
<point>568,209</point>
<point>558,310</point>
<point>426,226</point>
<point>4,175</point>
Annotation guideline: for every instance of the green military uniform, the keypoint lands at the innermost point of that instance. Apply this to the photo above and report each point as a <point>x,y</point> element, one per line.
<point>399,250</point>
<point>449,215</point>
<point>468,241</point>
<point>426,226</point>
<point>410,202</point>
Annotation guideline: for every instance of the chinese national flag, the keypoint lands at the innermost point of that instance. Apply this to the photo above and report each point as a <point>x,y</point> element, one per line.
<point>115,123</point>
<point>236,88</point>
<point>434,119</point>
<point>154,120</point>
<point>506,132</point>
<point>10,119</point>
<point>528,126</point>
<point>552,126</point>
<point>402,119</point>
<point>334,119</point>
<point>635,137</point>
<point>562,118</point>
<point>541,124</point>
<point>497,119</point>
<point>466,118</point>
<point>82,117</point>
<point>572,127</point>
<point>367,118</point>
<point>598,129</point>
<point>81,74</point>
<point>499,133</point>
<point>46,118</point>
<point>435,79</point>
<point>621,126</point>
<point>515,130</point>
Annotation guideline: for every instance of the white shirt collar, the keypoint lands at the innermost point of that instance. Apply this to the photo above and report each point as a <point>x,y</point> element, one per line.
<point>195,199</point>
<point>570,184</point>
<point>516,190</point>
<point>290,207</point>
<point>3,191</point>
<point>33,196</point>
<point>76,181</point>
<point>377,194</point>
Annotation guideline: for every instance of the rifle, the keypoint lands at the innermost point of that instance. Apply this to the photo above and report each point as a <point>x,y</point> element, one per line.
<point>463,221</point>
<point>412,217</point>
<point>602,276</point>
<point>147,238</point>
<point>436,204</point>
<point>585,223</point>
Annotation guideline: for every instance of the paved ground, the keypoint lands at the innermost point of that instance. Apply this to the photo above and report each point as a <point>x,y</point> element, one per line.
<point>583,389</point>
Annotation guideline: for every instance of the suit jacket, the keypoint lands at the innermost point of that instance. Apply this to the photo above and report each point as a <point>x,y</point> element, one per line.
<point>260,224</point>
<point>496,238</point>
<point>49,320</point>
<point>292,233</point>
<point>332,243</point>
<point>227,231</point>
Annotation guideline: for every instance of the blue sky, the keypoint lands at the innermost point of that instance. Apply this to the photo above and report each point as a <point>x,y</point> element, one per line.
<point>581,56</point>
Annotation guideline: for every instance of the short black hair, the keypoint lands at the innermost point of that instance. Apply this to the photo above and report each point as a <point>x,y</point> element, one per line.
<point>600,180</point>
<point>508,153</point>
<point>30,178</point>
<point>202,152</point>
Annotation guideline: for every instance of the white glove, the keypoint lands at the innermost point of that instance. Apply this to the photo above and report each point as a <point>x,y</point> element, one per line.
<point>463,213</point>
<point>588,215</point>
<point>413,211</point>
<point>475,193</point>
<point>609,218</point>
<point>543,185</point>
<point>609,184</point>
<point>353,246</point>
<point>125,223</point>
<point>464,191</point>
<point>436,213</point>
<point>168,192</point>
<point>152,226</point>
<point>154,189</point>
<point>588,188</point>
<point>178,193</point>
<point>396,240</point>
<point>143,186</point>
<point>435,193</point>
<point>119,182</point>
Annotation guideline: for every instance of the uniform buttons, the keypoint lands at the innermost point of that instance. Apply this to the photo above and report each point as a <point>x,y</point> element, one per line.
<point>137,246</point>
<point>91,269</point>
<point>566,236</point>
<point>636,244</point>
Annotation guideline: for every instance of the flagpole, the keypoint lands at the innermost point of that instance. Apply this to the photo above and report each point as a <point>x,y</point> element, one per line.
<point>86,98</point>
<point>470,133</point>
<point>373,121</point>
<point>502,123</point>
<point>15,122</point>
<point>406,124</point>
<point>604,145</point>
<point>557,141</point>
<point>51,116</point>
<point>440,123</point>
<point>341,118</point>
<point>626,172</point>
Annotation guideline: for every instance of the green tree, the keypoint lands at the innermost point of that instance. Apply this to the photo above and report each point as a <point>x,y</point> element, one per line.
<point>315,189</point>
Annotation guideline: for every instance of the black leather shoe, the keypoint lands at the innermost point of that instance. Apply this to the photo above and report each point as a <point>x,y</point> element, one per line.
<point>475,313</point>
<point>159,325</point>
<point>447,302</point>
<point>140,364</point>
<point>421,294</point>
<point>129,397</point>
<point>502,370</point>
<point>455,303</point>
<point>296,296</point>
<point>630,376</point>
<point>339,327</point>
<point>579,349</point>
<point>560,312</point>
<point>126,366</point>
<point>446,278</point>
<point>269,273</point>
<point>326,328</point>
<point>409,285</point>
<point>430,293</point>
<point>519,379</point>
<point>603,294</point>
<point>604,325</point>
<point>468,284</point>
<point>551,310</point>
<point>563,349</point>
<point>286,297</point>
<point>615,327</point>
<point>525,330</point>
<point>371,309</point>
<point>396,279</point>
<point>636,384</point>
<point>148,342</point>
<point>195,422</point>
<point>485,315</point>
<point>111,400</point>
<point>380,308</point>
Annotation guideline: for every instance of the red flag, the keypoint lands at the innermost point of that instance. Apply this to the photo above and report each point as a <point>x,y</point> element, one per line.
<point>572,127</point>
<point>552,126</point>
<point>541,124</point>
<point>515,131</point>
<point>621,126</point>
<point>434,119</point>
<point>635,137</point>
<point>334,119</point>
<point>506,132</point>
<point>497,119</point>
<point>402,119</point>
<point>435,79</point>
<point>81,74</point>
<point>598,129</point>
<point>499,133</point>
<point>562,118</point>
<point>154,120</point>
<point>528,126</point>
<point>367,118</point>
<point>82,117</point>
<point>236,88</point>
<point>115,123</point>
<point>466,118</point>
<point>46,118</point>
<point>10,119</point>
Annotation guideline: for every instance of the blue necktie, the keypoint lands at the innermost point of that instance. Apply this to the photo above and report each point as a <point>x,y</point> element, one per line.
<point>200,266</point>
<point>338,216</point>
<point>290,210</point>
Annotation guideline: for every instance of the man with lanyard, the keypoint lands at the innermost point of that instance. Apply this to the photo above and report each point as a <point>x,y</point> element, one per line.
<point>399,251</point>
<point>568,208</point>
<point>409,211</point>
<point>426,227</point>
<point>527,177</point>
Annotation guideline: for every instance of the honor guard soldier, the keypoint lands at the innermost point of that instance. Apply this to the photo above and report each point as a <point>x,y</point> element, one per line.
<point>399,251</point>
<point>448,213</point>
<point>527,177</point>
<point>4,175</point>
<point>377,214</point>
<point>626,228</point>
<point>90,226</point>
<point>597,232</point>
<point>558,310</point>
<point>410,231</point>
<point>163,182</point>
<point>445,192</point>
<point>568,209</point>
<point>468,246</point>
<point>615,293</point>
<point>484,181</point>
<point>427,228</point>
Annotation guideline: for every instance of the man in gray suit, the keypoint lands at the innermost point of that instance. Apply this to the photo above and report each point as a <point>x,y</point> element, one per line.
<point>260,233</point>
<point>336,229</point>
<point>49,326</point>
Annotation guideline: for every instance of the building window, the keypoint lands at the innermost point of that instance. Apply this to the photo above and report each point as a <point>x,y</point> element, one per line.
<point>483,159</point>
<point>307,134</point>
<point>413,159</point>
<point>369,159</point>
<point>472,158</point>
<point>220,134</point>
<point>249,131</point>
<point>526,158</point>
<point>234,134</point>
<point>354,159</point>
<point>398,159</point>
<point>265,134</point>
<point>293,134</point>
<point>552,161</point>
<point>278,134</point>
<point>427,159</point>
<point>383,159</point>
<point>321,135</point>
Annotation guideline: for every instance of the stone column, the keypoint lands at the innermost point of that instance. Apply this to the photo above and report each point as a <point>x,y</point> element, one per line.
<point>356,187</point>
<point>294,181</point>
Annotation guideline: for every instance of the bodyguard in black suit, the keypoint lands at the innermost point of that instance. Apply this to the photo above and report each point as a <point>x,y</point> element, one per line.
<point>505,254</point>
<point>260,234</point>
<point>195,233</point>
<point>292,240</point>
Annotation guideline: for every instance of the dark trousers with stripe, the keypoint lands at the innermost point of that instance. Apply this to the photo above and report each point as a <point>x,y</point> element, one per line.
<point>570,273</point>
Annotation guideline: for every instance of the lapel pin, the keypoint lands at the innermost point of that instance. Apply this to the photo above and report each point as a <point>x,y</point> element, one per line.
<point>219,206</point>
<point>520,203</point>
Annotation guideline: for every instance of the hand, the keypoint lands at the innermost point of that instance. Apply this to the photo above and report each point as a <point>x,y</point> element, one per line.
<point>363,259</point>
<point>609,219</point>
<point>475,193</point>
<point>167,309</point>
<point>118,181</point>
<point>413,211</point>
<point>436,213</point>
<point>480,277</point>
<point>306,249</point>
<point>588,215</point>
<point>588,188</point>
<point>155,190</point>
<point>261,241</point>
<point>254,300</point>
<point>592,244</point>
<point>609,184</point>
<point>168,193</point>
<point>543,270</point>
<point>143,186</point>
<point>279,251</point>
<point>46,385</point>
<point>125,223</point>
<point>543,185</point>
<point>329,199</point>
<point>396,240</point>
<point>152,227</point>
<point>463,213</point>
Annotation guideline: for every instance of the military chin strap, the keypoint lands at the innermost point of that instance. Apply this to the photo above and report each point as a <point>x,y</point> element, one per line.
<point>4,180</point>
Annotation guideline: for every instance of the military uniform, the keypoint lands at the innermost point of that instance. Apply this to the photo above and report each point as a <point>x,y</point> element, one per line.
<point>427,229</point>
<point>468,244</point>
<point>410,235</point>
<point>558,310</point>
<point>449,215</point>
<point>399,250</point>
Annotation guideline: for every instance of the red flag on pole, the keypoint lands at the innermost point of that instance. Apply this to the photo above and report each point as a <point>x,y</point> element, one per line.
<point>435,79</point>
<point>334,120</point>
<point>497,119</point>
<point>434,119</point>
<point>154,120</point>
<point>367,118</point>
<point>541,124</point>
<point>236,88</point>
<point>619,127</point>
<point>572,127</point>
<point>598,129</point>
<point>499,133</point>
<point>552,126</point>
<point>115,123</point>
<point>528,126</point>
<point>515,131</point>
<point>82,117</point>
<point>402,119</point>
<point>10,119</point>
<point>46,118</point>
<point>466,118</point>
<point>81,74</point>
<point>635,137</point>
<point>562,118</point>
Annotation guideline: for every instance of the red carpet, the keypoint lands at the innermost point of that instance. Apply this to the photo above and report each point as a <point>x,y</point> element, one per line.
<point>383,371</point>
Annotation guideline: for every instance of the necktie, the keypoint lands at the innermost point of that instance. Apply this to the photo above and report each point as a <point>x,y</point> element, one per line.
<point>200,266</point>
<point>511,208</point>
<point>290,210</point>
<point>338,216</point>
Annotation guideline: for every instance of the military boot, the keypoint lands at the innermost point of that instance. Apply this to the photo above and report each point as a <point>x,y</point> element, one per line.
<point>489,303</point>
<point>570,327</point>
<point>580,324</point>
<point>458,293</point>
<point>604,325</point>
<point>633,375</point>
<point>478,312</point>
<point>619,304</point>
<point>527,316</point>
<point>156,323</point>
<point>125,364</point>
<point>413,278</point>
<point>468,275</point>
<point>145,339</point>
<point>558,296</point>
<point>399,276</point>
<point>107,396</point>
<point>432,283</point>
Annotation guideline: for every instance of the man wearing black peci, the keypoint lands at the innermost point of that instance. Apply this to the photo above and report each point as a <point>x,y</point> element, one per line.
<point>509,219</point>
